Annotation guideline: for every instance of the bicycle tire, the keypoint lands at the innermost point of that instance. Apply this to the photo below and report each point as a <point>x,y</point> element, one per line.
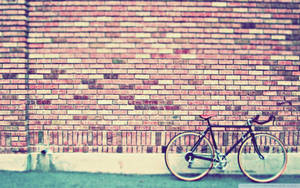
<point>267,168</point>
<point>175,156</point>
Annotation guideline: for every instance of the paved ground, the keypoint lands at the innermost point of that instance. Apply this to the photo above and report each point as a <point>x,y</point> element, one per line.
<point>93,180</point>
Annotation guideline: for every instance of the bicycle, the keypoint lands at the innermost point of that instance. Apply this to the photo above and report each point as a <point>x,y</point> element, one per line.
<point>262,157</point>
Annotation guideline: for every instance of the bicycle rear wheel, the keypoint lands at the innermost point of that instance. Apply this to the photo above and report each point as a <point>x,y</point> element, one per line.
<point>185,165</point>
<point>266,166</point>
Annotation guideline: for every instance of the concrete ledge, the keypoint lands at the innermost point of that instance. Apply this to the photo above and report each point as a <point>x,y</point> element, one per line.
<point>112,163</point>
<point>13,162</point>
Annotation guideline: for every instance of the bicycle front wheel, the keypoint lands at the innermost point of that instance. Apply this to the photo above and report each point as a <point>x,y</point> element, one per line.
<point>187,165</point>
<point>262,159</point>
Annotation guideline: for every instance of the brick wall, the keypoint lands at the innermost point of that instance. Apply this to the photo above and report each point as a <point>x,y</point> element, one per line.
<point>126,76</point>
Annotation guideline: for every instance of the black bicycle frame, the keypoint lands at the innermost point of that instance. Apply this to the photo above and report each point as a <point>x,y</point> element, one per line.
<point>209,129</point>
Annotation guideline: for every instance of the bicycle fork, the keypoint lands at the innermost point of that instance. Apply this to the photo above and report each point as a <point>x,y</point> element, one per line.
<point>254,141</point>
<point>256,147</point>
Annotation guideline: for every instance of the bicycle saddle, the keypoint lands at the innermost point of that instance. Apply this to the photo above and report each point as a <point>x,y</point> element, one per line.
<point>206,116</point>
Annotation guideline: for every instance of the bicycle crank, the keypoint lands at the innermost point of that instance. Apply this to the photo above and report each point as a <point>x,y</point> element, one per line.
<point>221,161</point>
<point>189,157</point>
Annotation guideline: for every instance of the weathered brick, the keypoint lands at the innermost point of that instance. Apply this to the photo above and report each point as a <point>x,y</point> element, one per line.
<point>150,82</point>
<point>51,76</point>
<point>126,87</point>
<point>43,102</point>
<point>88,81</point>
<point>9,75</point>
<point>248,25</point>
<point>95,86</point>
<point>81,97</point>
<point>291,78</point>
<point>111,76</point>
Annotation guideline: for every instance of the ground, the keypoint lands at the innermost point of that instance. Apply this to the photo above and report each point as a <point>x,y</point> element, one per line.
<point>92,180</point>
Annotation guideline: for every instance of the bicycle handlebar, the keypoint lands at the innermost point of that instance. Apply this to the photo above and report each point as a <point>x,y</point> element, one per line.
<point>255,120</point>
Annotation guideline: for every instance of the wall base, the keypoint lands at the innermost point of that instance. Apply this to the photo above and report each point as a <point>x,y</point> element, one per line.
<point>112,163</point>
